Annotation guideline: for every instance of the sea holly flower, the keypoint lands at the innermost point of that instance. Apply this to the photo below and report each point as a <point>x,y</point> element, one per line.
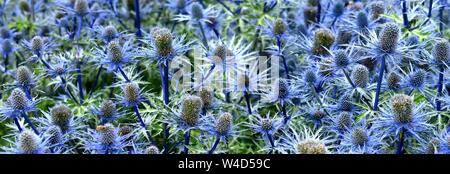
<point>105,139</point>
<point>116,56</point>
<point>362,140</point>
<point>27,142</point>
<point>221,127</point>
<point>18,105</point>
<point>164,47</point>
<point>38,46</point>
<point>61,116</point>
<point>267,126</point>
<point>402,118</point>
<point>302,140</point>
<point>107,111</point>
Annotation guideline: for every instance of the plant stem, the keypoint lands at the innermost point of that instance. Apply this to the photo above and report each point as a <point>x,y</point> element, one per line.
<point>94,85</point>
<point>16,121</point>
<point>210,71</point>
<point>247,100</point>
<point>136,110</point>
<point>5,62</point>
<point>164,73</point>
<point>380,80</point>
<point>79,26</point>
<point>186,141</point>
<point>365,100</point>
<point>137,20</point>
<point>215,145</point>
<point>440,87</point>
<point>401,141</point>
<point>285,115</point>
<point>405,14</point>
<point>205,42</point>
<point>319,9</point>
<point>269,136</point>
<point>124,75</point>
<point>27,119</point>
<point>63,81</point>
<point>80,82</point>
<point>286,69</point>
<point>441,17</point>
<point>225,6</point>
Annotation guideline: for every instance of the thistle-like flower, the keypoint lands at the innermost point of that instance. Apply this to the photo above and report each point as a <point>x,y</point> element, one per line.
<point>27,142</point>
<point>361,140</point>
<point>302,140</point>
<point>402,113</point>
<point>24,78</point>
<point>152,150</point>
<point>164,47</point>
<point>190,110</point>
<point>132,95</point>
<point>267,126</point>
<point>105,139</point>
<point>107,111</point>
<point>323,39</point>
<point>441,52</point>
<point>61,116</point>
<point>17,104</point>
<point>360,76</point>
<point>38,45</point>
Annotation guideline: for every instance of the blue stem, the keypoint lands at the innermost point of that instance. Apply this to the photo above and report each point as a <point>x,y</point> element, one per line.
<point>441,16</point>
<point>68,90</point>
<point>186,141</point>
<point>79,26</point>
<point>440,87</point>
<point>123,74</point>
<point>210,71</point>
<point>405,14</point>
<point>225,6</point>
<point>269,136</point>
<point>247,100</point>
<point>215,145</point>
<point>319,9</point>
<point>5,62</point>
<point>137,20</point>
<point>286,69</point>
<point>205,42</point>
<point>164,73</point>
<point>380,80</point>
<point>16,121</point>
<point>430,8</point>
<point>80,83</point>
<point>27,119</point>
<point>401,141</point>
<point>94,85</point>
<point>136,110</point>
<point>285,115</point>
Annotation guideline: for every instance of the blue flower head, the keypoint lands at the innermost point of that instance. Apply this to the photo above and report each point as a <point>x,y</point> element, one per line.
<point>361,140</point>
<point>131,95</point>
<point>17,104</point>
<point>107,111</point>
<point>163,46</point>
<point>38,45</point>
<point>116,56</point>
<point>27,142</point>
<point>402,113</point>
<point>303,140</point>
<point>105,139</point>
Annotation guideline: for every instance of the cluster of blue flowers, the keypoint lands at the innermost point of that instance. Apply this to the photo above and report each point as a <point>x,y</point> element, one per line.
<point>104,76</point>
